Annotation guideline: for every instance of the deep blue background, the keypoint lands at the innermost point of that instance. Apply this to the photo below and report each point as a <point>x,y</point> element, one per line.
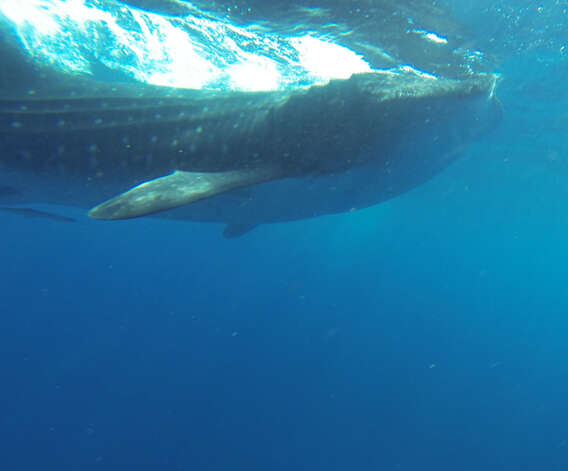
<point>428,332</point>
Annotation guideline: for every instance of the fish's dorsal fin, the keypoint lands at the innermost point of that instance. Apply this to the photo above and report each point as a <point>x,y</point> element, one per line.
<point>178,189</point>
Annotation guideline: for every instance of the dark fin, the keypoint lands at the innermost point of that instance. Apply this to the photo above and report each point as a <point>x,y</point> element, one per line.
<point>36,213</point>
<point>237,229</point>
<point>177,189</point>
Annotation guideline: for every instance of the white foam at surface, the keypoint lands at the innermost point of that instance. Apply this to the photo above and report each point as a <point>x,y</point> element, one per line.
<point>195,52</point>
<point>326,60</point>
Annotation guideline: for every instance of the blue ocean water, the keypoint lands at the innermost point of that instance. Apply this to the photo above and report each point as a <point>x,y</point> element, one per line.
<point>427,332</point>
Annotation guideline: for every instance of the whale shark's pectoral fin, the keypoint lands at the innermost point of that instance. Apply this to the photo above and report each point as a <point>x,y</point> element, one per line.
<point>178,189</point>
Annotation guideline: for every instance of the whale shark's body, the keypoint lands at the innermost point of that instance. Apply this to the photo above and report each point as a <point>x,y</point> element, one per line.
<point>348,144</point>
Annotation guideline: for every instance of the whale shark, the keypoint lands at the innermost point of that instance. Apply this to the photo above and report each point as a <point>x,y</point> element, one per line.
<point>139,151</point>
<point>244,158</point>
